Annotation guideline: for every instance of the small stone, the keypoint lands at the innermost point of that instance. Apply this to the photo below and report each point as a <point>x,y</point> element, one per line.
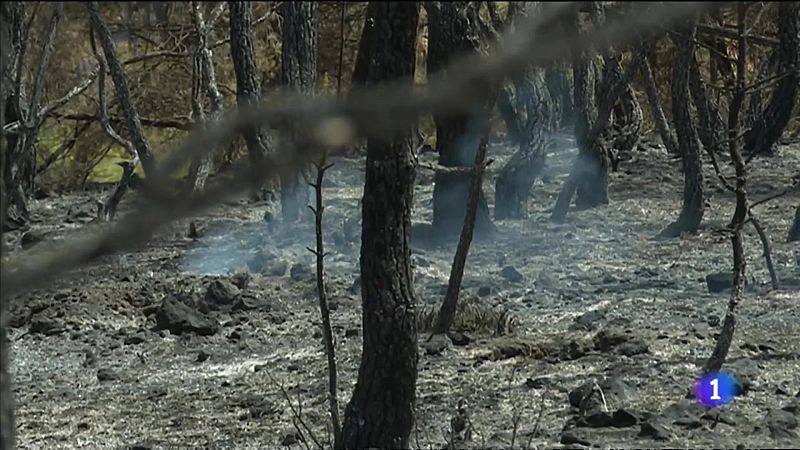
<point>459,339</point>
<point>511,274</point>
<point>106,374</point>
<point>299,271</point>
<point>221,293</point>
<point>278,268</point>
<point>657,429</point>
<point>782,424</point>
<point>635,347</point>
<point>437,344</point>
<point>624,418</point>
<point>351,332</point>
<point>570,437</point>
<point>537,383</point>
<point>178,318</point>
<point>483,291</point>
<point>138,338</point>
<point>241,280</point>
<point>30,238</point>
<point>588,320</point>
<point>202,356</point>
<point>290,438</point>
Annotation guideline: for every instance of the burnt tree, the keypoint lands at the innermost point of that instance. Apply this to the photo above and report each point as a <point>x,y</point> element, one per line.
<point>23,109</point>
<point>7,426</point>
<point>298,73</point>
<point>767,128</point>
<point>380,413</point>
<point>203,80</point>
<point>657,111</point>
<point>536,117</point>
<point>454,32</point>
<point>693,208</point>
<point>138,139</point>
<point>365,46</point>
<point>248,87</point>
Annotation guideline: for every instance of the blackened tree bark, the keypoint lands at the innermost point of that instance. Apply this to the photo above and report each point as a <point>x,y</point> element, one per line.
<point>363,56</point>
<point>794,231</point>
<point>380,413</point>
<point>560,94</point>
<point>454,32</point>
<point>7,427</point>
<point>537,116</point>
<point>298,73</point>
<point>20,170</point>
<point>710,124</point>
<point>688,140</point>
<point>204,80</point>
<point>132,121</point>
<point>657,111</point>
<point>248,87</point>
<point>767,128</point>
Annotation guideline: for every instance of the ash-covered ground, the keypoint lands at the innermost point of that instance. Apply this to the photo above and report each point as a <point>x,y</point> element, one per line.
<point>548,308</point>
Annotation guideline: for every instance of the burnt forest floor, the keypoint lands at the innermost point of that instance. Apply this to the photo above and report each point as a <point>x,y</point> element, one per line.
<point>548,308</point>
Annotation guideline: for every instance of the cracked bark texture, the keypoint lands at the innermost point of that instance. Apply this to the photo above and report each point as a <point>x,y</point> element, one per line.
<point>453,33</point>
<point>693,207</point>
<point>380,413</point>
<point>248,88</point>
<point>298,73</point>
<point>537,117</point>
<point>657,111</point>
<point>7,427</point>
<point>134,125</point>
<point>768,127</point>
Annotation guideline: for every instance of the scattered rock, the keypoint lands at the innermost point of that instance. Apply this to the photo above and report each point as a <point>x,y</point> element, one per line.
<point>537,383</point>
<point>221,293</point>
<point>545,280</point>
<point>437,344</point>
<point>571,437</point>
<point>241,280</point>
<point>136,339</point>
<point>31,238</point>
<point>656,428</point>
<point>47,324</point>
<point>179,318</point>
<point>782,424</point>
<point>588,320</point>
<point>202,356</point>
<point>720,281</point>
<point>623,418</point>
<point>278,268</point>
<point>290,438</point>
<point>607,339</point>
<point>483,291</point>
<point>615,390</point>
<point>299,271</point>
<point>634,347</point>
<point>351,332</point>
<point>244,303</point>
<point>573,350</point>
<point>511,274</point>
<point>459,339</point>
<point>106,374</point>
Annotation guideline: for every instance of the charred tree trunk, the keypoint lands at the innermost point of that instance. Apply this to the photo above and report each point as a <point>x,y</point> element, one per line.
<point>453,33</point>
<point>298,73</point>
<point>364,55</point>
<point>710,122</point>
<point>20,170</point>
<point>794,231</point>
<point>248,88</point>
<point>693,197</point>
<point>558,85</point>
<point>7,426</point>
<point>380,413</point>
<point>667,136</point>
<point>768,127</point>
<point>537,115</point>
<point>134,125</point>
<point>206,81</point>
